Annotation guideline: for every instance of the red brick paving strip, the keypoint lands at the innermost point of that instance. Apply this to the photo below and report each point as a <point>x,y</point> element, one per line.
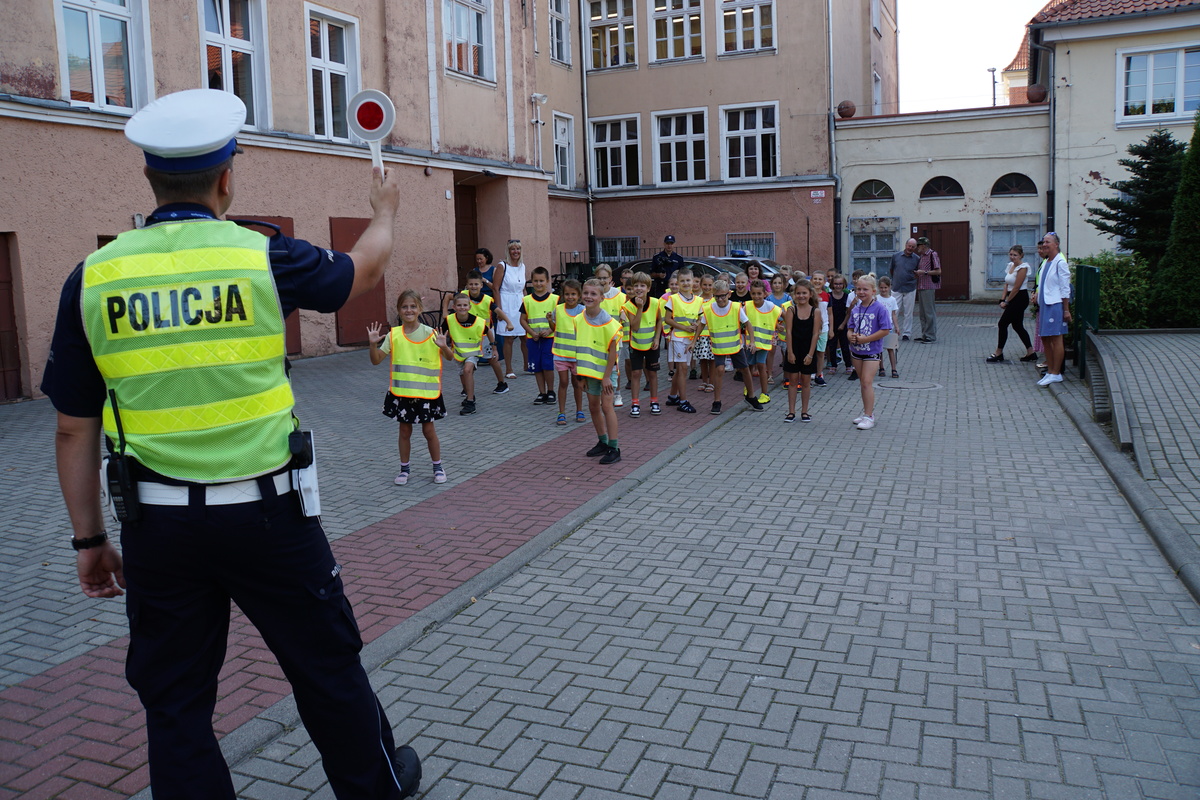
<point>77,730</point>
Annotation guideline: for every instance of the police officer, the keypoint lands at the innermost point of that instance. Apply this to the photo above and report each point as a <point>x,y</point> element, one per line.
<point>663,265</point>
<point>171,340</point>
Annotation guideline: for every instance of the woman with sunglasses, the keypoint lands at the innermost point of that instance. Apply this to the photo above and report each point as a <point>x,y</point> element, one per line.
<point>509,283</point>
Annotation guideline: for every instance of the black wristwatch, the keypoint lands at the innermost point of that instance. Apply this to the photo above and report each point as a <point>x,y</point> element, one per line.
<point>89,542</point>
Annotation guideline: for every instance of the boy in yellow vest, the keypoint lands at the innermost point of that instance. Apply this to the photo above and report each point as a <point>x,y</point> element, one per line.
<point>644,314</point>
<point>537,318</point>
<point>727,326</point>
<point>482,305</point>
<point>682,314</point>
<point>597,341</point>
<point>467,333</point>
<point>764,316</point>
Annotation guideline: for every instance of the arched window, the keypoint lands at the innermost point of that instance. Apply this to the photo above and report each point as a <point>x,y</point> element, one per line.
<point>1014,183</point>
<point>872,190</point>
<point>941,186</point>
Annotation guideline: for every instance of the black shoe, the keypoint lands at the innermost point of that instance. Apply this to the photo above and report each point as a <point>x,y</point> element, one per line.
<point>628,386</point>
<point>923,340</point>
<point>853,376</point>
<point>408,770</point>
<point>501,388</point>
<point>692,375</point>
<point>995,359</point>
<point>672,400</point>
<point>753,402</point>
<point>1030,357</point>
<point>904,338</point>
<point>612,456</point>
<point>881,373</point>
<point>819,381</point>
<point>541,400</point>
<point>686,407</point>
<point>716,407</point>
<point>551,398</point>
<point>468,408</point>
<point>737,376</point>
<point>598,449</point>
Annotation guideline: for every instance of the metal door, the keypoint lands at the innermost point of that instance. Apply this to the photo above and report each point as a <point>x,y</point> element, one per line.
<point>952,241</point>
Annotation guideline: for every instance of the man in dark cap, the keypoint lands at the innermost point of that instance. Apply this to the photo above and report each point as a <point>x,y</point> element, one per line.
<point>664,265</point>
<point>929,275</point>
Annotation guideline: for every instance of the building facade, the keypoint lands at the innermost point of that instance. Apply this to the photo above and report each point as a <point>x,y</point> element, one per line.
<point>569,124</point>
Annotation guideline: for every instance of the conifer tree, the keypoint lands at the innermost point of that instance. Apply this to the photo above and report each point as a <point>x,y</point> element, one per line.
<point>1173,303</point>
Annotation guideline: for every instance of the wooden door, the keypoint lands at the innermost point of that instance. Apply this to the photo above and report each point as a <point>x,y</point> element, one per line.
<point>10,347</point>
<point>466,232</point>
<point>371,306</point>
<point>287,228</point>
<point>952,241</point>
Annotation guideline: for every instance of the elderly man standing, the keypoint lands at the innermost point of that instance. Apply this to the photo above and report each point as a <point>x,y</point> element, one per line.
<point>904,286</point>
<point>929,275</point>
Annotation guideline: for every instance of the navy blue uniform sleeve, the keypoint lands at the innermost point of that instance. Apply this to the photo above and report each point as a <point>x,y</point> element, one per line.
<point>72,380</point>
<point>308,276</point>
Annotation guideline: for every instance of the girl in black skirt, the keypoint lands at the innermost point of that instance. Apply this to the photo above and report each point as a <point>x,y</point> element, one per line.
<point>802,326</point>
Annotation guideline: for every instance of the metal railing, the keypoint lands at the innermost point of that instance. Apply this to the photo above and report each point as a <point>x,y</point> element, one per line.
<point>1085,312</point>
<point>570,258</point>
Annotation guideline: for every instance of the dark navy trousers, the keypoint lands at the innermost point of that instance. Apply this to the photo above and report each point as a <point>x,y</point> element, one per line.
<point>183,566</point>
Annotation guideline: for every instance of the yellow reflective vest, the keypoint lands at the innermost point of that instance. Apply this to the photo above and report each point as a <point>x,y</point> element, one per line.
<point>184,323</point>
<point>592,343</point>
<point>467,339</point>
<point>538,311</point>
<point>724,329</point>
<point>564,331</point>
<point>642,337</point>
<point>416,363</point>
<point>685,312</point>
<point>762,323</point>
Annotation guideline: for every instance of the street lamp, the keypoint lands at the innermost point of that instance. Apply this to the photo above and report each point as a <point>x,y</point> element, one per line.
<point>993,71</point>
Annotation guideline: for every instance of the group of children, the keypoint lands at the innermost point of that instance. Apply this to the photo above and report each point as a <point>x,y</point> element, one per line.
<point>595,330</point>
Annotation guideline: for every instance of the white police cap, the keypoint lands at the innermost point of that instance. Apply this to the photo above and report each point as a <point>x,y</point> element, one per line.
<point>188,131</point>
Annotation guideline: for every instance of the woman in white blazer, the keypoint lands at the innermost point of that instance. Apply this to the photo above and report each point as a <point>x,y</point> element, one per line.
<point>1053,297</point>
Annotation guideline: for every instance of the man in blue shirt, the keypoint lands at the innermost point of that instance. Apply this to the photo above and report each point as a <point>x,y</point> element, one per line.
<point>904,286</point>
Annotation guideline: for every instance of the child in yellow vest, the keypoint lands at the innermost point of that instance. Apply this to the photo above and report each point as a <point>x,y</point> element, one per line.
<point>537,319</point>
<point>467,334</point>
<point>645,315</point>
<point>566,315</point>
<point>415,395</point>
<point>763,319</point>
<point>683,318</point>
<point>702,353</point>
<point>482,305</point>
<point>597,342</point>
<point>727,326</point>
<point>613,301</point>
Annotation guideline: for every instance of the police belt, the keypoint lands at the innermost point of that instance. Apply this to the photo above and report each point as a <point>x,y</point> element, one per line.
<point>217,494</point>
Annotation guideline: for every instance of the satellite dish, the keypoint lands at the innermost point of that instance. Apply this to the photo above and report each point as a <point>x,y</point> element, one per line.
<point>371,117</point>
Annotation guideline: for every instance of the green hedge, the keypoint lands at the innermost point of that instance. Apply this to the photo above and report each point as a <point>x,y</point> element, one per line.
<point>1124,290</point>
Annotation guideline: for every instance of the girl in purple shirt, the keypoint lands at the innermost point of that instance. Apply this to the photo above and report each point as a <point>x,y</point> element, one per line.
<point>868,324</point>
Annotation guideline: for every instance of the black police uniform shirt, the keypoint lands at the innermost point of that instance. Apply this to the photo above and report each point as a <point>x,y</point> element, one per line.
<point>306,276</point>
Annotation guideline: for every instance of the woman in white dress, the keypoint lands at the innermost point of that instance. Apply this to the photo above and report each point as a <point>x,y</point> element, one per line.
<point>509,283</point>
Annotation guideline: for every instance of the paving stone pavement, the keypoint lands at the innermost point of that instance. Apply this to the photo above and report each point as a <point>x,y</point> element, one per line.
<point>1162,393</point>
<point>938,608</point>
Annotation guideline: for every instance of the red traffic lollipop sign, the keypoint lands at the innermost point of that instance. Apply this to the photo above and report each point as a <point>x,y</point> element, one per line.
<point>372,116</point>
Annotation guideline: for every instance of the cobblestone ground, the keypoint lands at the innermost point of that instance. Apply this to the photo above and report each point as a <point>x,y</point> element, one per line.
<point>1161,393</point>
<point>956,604</point>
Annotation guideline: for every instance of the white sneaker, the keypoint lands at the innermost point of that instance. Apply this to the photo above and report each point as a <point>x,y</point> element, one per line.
<point>728,367</point>
<point>1050,378</point>
<point>858,419</point>
<point>866,424</point>
<point>401,479</point>
<point>617,401</point>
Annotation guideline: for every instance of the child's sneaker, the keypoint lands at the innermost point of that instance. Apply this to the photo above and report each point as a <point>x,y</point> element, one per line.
<point>858,419</point>
<point>541,400</point>
<point>686,407</point>
<point>866,424</point>
<point>598,449</point>
<point>467,408</point>
<point>402,478</point>
<point>752,402</point>
<point>551,398</point>
<point>617,401</point>
<point>612,456</point>
<point>853,375</point>
<point>635,410</point>
<point>716,407</point>
<point>501,388</point>
<point>764,398</point>
<point>672,399</point>
<point>692,375</point>
<point>439,474</point>
<point>655,408</point>
<point>819,380</point>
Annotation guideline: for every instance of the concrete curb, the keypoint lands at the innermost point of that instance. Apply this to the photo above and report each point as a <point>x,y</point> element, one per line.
<point>251,737</point>
<point>1180,549</point>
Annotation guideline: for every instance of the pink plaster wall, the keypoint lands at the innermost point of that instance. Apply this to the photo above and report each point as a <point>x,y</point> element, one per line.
<point>802,226</point>
<point>568,229</point>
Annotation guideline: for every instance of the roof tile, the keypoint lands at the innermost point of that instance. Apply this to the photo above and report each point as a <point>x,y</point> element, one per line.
<point>1078,10</point>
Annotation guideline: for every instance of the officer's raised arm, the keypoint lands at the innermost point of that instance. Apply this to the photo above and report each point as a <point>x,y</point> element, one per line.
<point>374,248</point>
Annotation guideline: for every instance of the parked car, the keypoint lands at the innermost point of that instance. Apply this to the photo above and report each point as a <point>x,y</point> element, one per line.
<point>740,258</point>
<point>699,265</point>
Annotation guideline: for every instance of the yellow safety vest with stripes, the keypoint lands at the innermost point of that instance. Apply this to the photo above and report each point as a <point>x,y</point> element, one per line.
<point>416,363</point>
<point>483,308</point>
<point>537,311</point>
<point>724,330</point>
<point>564,332</point>
<point>762,323</point>
<point>184,323</point>
<point>642,337</point>
<point>685,312</point>
<point>591,345</point>
<point>467,339</point>
<point>613,306</point>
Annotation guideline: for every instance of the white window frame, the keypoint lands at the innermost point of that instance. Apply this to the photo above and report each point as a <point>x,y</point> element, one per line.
<point>564,150</point>
<point>876,93</point>
<point>690,139</point>
<point>258,111</point>
<point>759,244</point>
<point>690,13</point>
<point>1018,228</point>
<point>1150,118</point>
<point>137,35</point>
<point>878,258</point>
<point>621,249</point>
<point>737,8</point>
<point>727,135</point>
<point>560,31</point>
<point>594,156</point>
<point>350,69</point>
<point>622,24</point>
<point>451,40</point>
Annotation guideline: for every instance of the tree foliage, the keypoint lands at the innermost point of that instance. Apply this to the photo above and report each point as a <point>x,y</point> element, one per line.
<point>1141,217</point>
<point>1124,289</point>
<point>1173,302</point>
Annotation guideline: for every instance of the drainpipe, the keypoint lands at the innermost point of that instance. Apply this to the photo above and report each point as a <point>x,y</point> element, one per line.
<point>508,83</point>
<point>1052,95</point>
<point>587,143</point>
<point>831,133</point>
